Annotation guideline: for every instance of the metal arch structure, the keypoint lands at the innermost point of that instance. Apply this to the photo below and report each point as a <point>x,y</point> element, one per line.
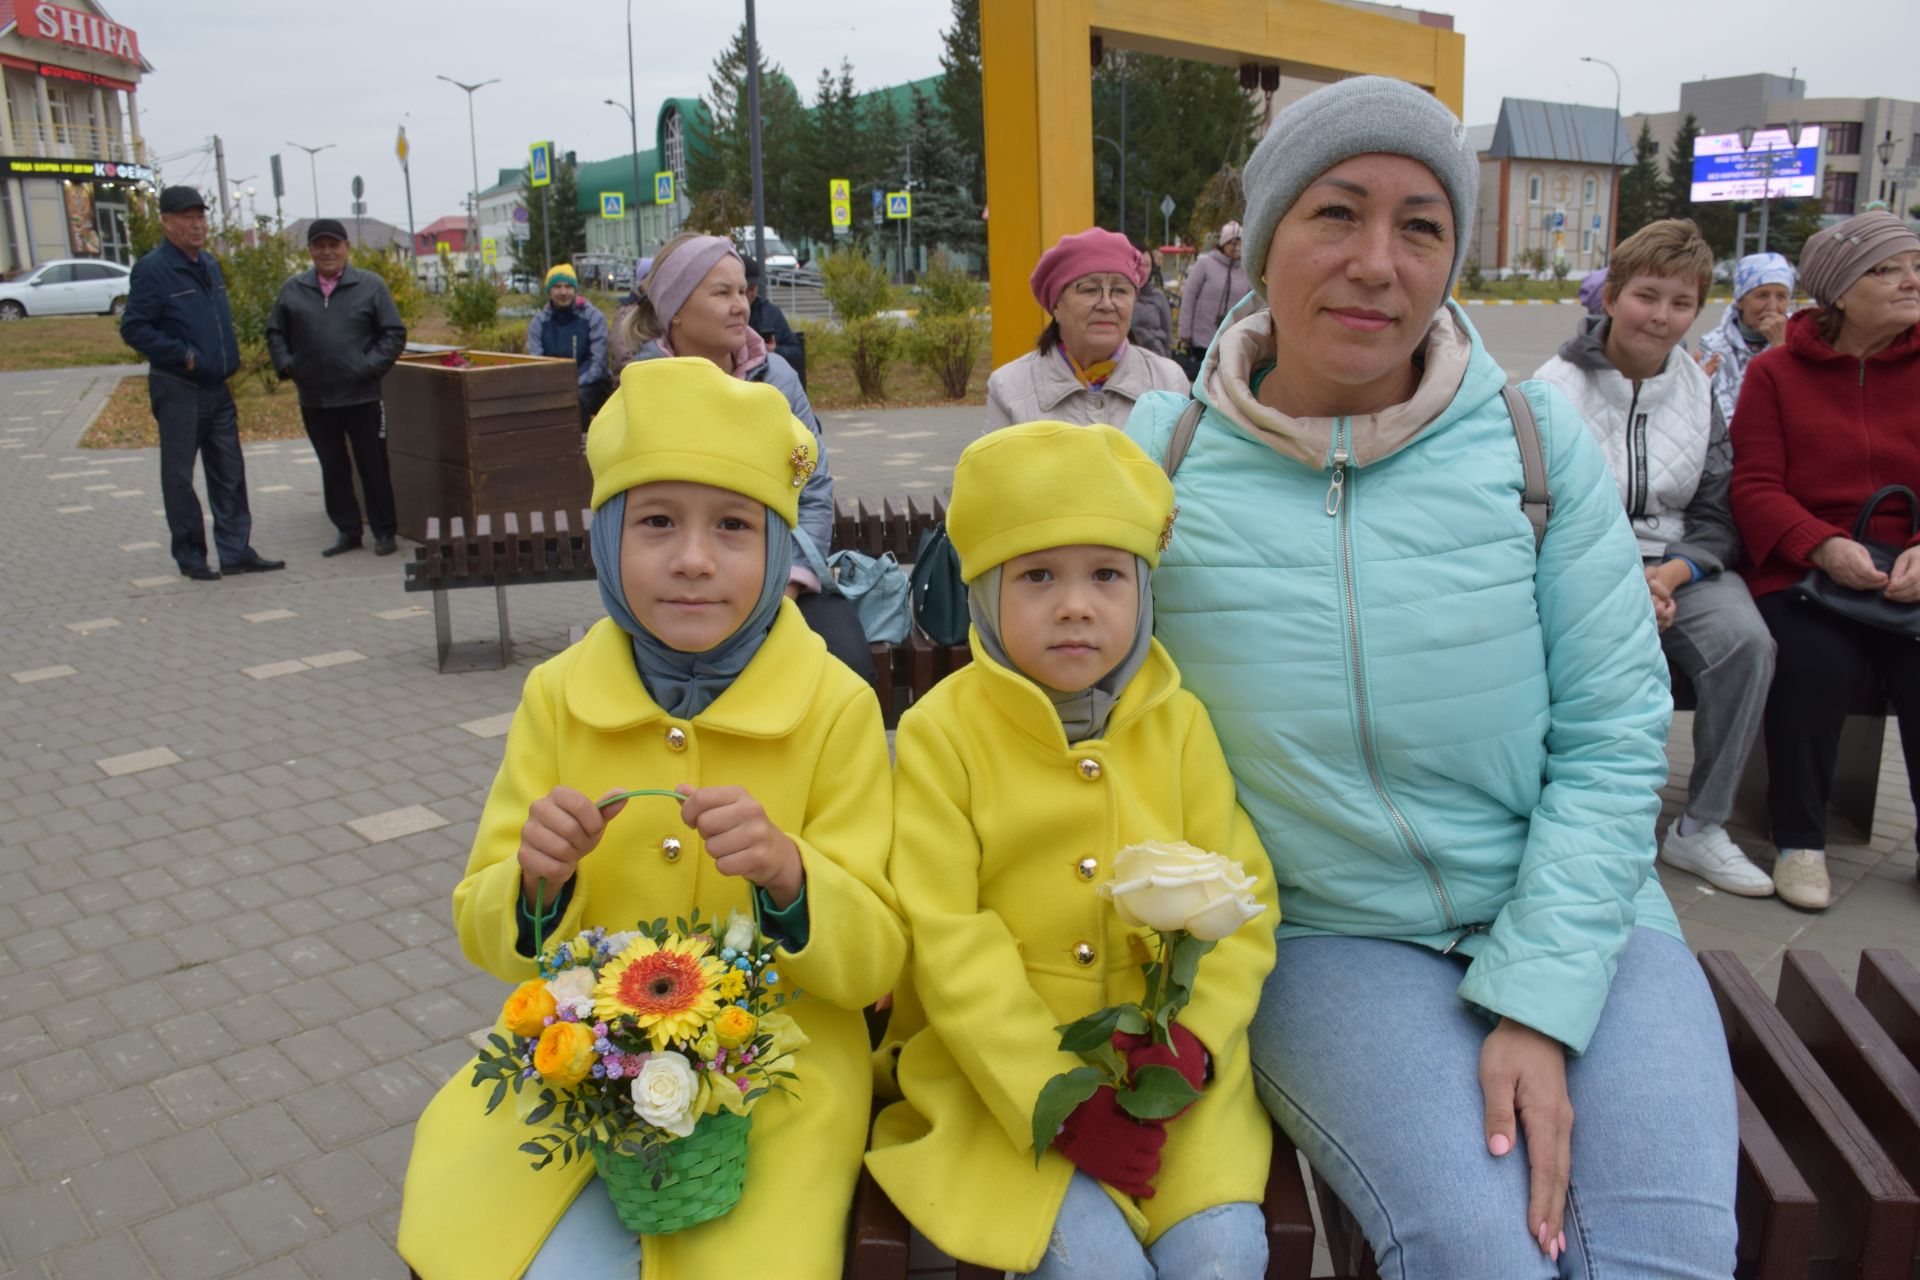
<point>1037,100</point>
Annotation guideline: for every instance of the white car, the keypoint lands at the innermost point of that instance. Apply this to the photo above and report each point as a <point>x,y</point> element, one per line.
<point>779,257</point>
<point>68,287</point>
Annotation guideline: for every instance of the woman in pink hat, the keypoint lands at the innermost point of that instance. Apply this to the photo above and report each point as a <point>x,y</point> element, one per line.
<point>1215,283</point>
<point>1083,369</point>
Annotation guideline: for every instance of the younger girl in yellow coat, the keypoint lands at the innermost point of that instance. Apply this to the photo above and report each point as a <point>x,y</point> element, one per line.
<point>706,679</point>
<point>1018,778</point>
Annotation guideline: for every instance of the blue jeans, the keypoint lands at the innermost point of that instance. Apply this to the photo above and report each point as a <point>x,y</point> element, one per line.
<point>1092,1241</point>
<point>1370,1062</point>
<point>588,1243</point>
<point>197,420</point>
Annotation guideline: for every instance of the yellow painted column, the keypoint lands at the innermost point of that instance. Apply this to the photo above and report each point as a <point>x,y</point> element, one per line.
<point>1037,103</point>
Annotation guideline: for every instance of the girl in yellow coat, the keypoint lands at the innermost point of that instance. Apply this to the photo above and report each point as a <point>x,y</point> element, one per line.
<point>706,679</point>
<point>1017,780</point>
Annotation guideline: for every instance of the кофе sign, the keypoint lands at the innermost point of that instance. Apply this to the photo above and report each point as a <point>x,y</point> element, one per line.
<point>77,170</point>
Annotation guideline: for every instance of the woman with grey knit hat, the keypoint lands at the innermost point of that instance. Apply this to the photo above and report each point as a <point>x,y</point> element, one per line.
<point>1449,729</point>
<point>1826,419</point>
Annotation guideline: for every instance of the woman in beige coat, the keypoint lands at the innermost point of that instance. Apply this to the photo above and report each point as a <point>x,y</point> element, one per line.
<point>1083,369</point>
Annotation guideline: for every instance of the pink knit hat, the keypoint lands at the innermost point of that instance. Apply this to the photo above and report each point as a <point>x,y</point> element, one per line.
<point>1091,251</point>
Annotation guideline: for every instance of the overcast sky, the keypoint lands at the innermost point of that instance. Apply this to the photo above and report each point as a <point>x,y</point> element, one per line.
<point>350,71</point>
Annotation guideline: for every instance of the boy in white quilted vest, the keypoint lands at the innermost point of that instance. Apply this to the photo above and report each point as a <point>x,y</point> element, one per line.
<point>1653,412</point>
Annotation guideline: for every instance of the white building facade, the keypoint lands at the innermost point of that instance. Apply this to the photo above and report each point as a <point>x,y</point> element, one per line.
<point>70,146</point>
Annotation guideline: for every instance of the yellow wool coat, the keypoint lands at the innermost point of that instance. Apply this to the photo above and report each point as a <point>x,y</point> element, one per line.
<point>1002,831</point>
<point>803,734</point>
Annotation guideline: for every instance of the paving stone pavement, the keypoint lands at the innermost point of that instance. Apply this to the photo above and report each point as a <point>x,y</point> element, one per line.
<point>228,975</point>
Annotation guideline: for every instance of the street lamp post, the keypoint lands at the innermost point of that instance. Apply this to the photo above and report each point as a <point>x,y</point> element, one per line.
<point>313,169</point>
<point>1900,177</point>
<point>1747,135</point>
<point>632,212</point>
<point>473,141</point>
<point>753,143</point>
<point>633,126</point>
<point>1613,217</point>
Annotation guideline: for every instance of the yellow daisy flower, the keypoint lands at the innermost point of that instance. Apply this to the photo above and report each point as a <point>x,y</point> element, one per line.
<point>733,985</point>
<point>668,990</point>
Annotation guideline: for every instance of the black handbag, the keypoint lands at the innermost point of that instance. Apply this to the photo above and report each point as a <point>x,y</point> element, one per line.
<point>1869,608</point>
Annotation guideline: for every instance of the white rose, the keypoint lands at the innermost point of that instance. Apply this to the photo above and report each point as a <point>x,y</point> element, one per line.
<point>573,989</point>
<point>1169,885</point>
<point>739,933</point>
<point>664,1093</point>
<point>618,942</point>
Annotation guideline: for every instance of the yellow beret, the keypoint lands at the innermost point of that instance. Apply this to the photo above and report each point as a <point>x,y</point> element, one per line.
<point>681,418</point>
<point>1056,484</point>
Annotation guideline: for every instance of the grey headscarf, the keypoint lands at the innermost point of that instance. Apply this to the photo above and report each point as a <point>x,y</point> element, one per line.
<point>685,684</point>
<point>1083,713</point>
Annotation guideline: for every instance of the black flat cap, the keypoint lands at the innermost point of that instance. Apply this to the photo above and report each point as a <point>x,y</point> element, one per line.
<point>181,199</point>
<point>321,228</point>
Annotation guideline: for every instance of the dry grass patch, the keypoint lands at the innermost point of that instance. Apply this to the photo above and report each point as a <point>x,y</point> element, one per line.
<point>127,420</point>
<point>63,342</point>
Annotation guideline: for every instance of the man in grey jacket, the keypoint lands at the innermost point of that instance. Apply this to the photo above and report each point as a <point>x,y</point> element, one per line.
<point>335,332</point>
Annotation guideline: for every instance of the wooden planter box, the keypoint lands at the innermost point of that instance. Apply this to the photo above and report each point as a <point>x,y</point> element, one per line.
<point>502,435</point>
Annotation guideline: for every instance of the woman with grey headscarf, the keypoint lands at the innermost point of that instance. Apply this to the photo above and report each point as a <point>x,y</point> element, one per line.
<point>1449,732</point>
<point>1825,420</point>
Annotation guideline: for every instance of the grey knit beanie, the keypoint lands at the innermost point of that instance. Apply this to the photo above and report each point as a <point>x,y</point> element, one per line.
<point>1360,116</point>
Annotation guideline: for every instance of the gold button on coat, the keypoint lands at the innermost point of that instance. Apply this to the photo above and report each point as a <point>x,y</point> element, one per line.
<point>1083,953</point>
<point>1089,769</point>
<point>676,738</point>
<point>1087,868</point>
<point>670,849</point>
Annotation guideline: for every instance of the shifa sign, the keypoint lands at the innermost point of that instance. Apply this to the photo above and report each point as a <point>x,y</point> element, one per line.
<point>61,25</point>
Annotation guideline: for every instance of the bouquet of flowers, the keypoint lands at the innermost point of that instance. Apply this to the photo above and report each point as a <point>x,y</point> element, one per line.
<point>1186,899</point>
<point>649,1048</point>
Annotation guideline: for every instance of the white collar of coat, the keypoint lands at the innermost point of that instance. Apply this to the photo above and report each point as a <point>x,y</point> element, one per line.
<point>1053,379</point>
<point>604,690</point>
<point>1023,703</point>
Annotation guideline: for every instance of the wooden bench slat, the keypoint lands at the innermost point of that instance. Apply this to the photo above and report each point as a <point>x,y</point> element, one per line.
<point>483,539</point>
<point>1889,986</point>
<point>1779,1216</point>
<point>1870,1213</point>
<point>512,524</point>
<point>538,521</point>
<point>458,537</point>
<point>1875,1077</point>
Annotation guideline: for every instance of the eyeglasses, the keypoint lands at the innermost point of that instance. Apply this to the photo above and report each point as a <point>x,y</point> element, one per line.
<point>1093,291</point>
<point>1894,270</point>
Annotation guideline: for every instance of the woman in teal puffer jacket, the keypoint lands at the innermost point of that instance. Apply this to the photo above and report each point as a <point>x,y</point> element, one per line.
<point>1449,740</point>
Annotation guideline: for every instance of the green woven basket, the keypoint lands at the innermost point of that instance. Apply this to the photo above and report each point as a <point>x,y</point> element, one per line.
<point>706,1170</point>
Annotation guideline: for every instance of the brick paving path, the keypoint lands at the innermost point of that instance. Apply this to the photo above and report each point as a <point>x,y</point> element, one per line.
<point>231,816</point>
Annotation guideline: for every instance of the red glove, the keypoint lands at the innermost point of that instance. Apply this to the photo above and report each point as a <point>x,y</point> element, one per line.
<point>1111,1145</point>
<point>1186,1055</point>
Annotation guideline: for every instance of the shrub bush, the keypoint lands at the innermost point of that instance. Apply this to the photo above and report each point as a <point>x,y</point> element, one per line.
<point>946,334</point>
<point>407,297</point>
<point>856,289</point>
<point>473,308</point>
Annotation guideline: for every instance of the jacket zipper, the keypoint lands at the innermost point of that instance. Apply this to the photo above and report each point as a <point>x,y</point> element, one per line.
<point>1636,459</point>
<point>1341,509</point>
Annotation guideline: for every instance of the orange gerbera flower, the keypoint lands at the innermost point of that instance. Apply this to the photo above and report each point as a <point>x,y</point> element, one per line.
<point>669,991</point>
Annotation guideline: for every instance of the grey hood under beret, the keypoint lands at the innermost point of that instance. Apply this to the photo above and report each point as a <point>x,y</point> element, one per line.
<point>1360,116</point>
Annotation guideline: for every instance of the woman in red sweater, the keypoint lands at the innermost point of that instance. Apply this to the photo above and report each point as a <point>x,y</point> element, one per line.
<point>1823,421</point>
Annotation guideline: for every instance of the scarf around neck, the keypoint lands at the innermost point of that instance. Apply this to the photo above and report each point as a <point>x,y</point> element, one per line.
<point>1094,376</point>
<point>685,684</point>
<point>1084,712</point>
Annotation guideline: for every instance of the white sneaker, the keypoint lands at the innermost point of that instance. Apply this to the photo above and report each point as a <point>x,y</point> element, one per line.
<point>1801,878</point>
<point>1710,854</point>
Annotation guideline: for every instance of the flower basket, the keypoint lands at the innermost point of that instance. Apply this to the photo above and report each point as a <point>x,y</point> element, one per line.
<point>709,1168</point>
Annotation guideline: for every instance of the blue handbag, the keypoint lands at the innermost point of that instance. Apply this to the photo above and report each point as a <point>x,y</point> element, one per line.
<point>877,588</point>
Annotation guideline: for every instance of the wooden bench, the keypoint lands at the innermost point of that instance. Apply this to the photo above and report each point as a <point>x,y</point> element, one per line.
<point>1827,1085</point>
<point>1856,770</point>
<point>903,671</point>
<point>455,559</point>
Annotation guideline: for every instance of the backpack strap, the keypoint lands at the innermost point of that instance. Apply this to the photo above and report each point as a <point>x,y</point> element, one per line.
<point>1535,498</point>
<point>1182,439</point>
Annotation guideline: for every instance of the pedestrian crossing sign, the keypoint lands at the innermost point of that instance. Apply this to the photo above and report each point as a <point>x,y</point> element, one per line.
<point>613,204</point>
<point>489,250</point>
<point>899,204</point>
<point>663,187</point>
<point>839,189</point>
<point>540,164</point>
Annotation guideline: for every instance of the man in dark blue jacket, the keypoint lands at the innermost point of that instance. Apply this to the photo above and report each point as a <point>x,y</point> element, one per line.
<point>177,317</point>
